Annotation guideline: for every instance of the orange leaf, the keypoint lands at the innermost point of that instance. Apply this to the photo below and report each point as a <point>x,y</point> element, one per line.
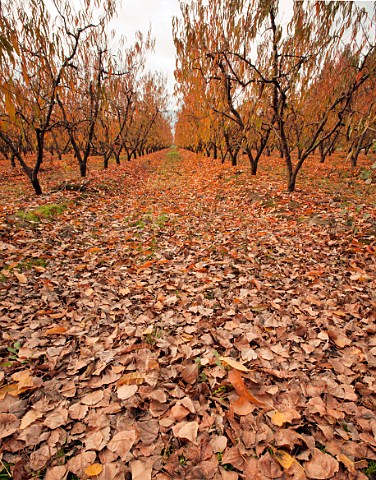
<point>12,389</point>
<point>131,379</point>
<point>94,469</point>
<point>237,382</point>
<point>55,330</point>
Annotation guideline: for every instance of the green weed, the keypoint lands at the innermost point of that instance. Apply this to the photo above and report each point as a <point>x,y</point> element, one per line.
<point>43,212</point>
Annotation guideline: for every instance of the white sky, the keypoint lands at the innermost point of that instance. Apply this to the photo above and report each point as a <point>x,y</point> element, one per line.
<point>136,15</point>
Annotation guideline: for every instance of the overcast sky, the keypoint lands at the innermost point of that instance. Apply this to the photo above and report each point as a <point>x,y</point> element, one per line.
<point>136,15</point>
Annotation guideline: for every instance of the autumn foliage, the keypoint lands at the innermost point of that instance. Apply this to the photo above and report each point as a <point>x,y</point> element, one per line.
<point>250,83</point>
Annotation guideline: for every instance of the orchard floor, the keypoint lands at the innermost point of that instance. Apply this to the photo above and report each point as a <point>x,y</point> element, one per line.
<point>181,319</point>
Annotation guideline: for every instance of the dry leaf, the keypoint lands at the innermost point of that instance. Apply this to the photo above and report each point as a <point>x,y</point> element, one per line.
<point>126,391</point>
<point>9,424</point>
<point>242,406</point>
<point>30,418</point>
<point>349,464</point>
<point>55,330</point>
<point>122,442</point>
<point>234,364</point>
<point>187,431</point>
<point>141,470</point>
<point>321,466</point>
<point>134,378</point>
<point>237,382</point>
<point>93,398</point>
<point>190,373</point>
<point>278,418</point>
<point>22,278</point>
<point>283,458</point>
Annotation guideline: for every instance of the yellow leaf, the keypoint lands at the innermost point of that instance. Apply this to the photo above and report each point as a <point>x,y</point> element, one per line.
<point>9,105</point>
<point>283,458</point>
<point>349,464</point>
<point>234,364</point>
<point>279,418</point>
<point>55,330</point>
<point>131,379</point>
<point>94,469</point>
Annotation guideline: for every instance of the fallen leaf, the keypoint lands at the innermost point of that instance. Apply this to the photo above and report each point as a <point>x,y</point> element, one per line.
<point>141,470</point>
<point>126,391</point>
<point>187,431</point>
<point>238,383</point>
<point>9,424</point>
<point>278,418</point>
<point>93,470</point>
<point>122,442</point>
<point>134,378</point>
<point>22,278</point>
<point>349,464</point>
<point>55,330</point>
<point>321,466</point>
<point>283,458</point>
<point>234,364</point>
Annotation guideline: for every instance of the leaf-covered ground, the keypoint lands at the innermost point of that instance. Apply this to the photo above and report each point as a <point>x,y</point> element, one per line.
<point>182,319</point>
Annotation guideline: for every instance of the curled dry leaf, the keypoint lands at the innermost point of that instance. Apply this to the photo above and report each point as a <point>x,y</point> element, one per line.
<point>234,364</point>
<point>57,330</point>
<point>190,373</point>
<point>349,464</point>
<point>238,383</point>
<point>134,378</point>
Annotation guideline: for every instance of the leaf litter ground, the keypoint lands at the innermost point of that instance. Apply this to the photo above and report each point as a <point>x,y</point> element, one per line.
<point>183,319</point>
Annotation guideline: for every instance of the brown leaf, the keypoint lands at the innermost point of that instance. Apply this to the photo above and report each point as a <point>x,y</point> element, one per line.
<point>190,373</point>
<point>78,463</point>
<point>56,473</point>
<point>11,389</point>
<point>122,442</point>
<point>126,391</point>
<point>242,406</point>
<point>9,424</point>
<point>321,466</point>
<point>22,278</point>
<point>349,464</point>
<point>179,412</point>
<point>340,340</point>
<point>187,430</point>
<point>141,470</point>
<point>30,418</point>
<point>218,443</point>
<point>93,398</point>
